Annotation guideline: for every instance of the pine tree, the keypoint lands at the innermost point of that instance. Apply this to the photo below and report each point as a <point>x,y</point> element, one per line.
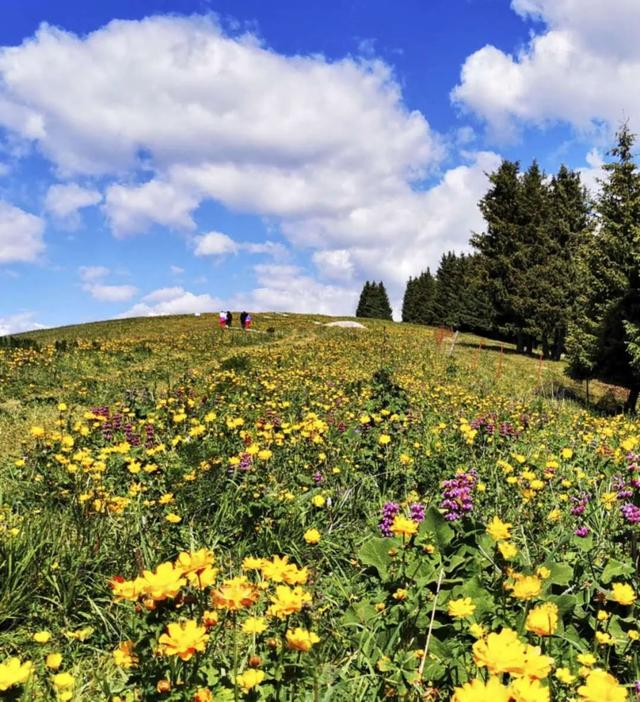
<point>364,308</point>
<point>383,306</point>
<point>409,311</point>
<point>374,302</point>
<point>419,299</point>
<point>500,246</point>
<point>603,337</point>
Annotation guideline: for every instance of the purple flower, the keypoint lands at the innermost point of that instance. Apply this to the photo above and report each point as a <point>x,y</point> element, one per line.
<point>457,495</point>
<point>582,531</point>
<point>389,512</point>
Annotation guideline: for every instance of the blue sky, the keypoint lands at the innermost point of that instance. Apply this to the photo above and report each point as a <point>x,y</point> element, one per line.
<point>162,156</point>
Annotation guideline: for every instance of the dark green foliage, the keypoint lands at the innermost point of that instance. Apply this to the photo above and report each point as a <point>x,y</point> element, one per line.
<point>374,302</point>
<point>604,334</point>
<point>418,305</point>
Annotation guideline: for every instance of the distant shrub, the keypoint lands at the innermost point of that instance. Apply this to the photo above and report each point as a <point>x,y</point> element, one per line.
<point>239,362</point>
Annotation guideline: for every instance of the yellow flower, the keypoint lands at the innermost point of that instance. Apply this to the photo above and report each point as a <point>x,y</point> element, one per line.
<point>602,616</point>
<point>499,530</point>
<point>163,583</point>
<point>400,595</point>
<point>402,526</point>
<point>528,690</point>
<point>500,653</point>
<point>300,639</point>
<point>312,536</point>
<point>124,656</point>
<point>508,550</point>
<point>288,600</point>
<point>461,608</point>
<point>543,619</point>
<point>173,518</point>
<point>252,563</point>
<point>565,676</point>
<point>235,594</point>
<point>479,691</point>
<point>567,453</point>
<point>604,639</point>
<point>318,501</point>
<point>587,659</point>
<point>384,439</point>
<point>249,679</point>
<point>42,637</point>
<point>53,661</point>
<point>265,454</point>
<point>254,625</point>
<point>600,686</point>
<point>622,594</point>
<point>476,630</point>
<point>183,640</point>
<point>12,672</point>
<point>203,694</point>
<point>527,587</point>
<point>63,684</point>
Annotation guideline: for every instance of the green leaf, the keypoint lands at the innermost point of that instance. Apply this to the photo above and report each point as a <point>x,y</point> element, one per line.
<point>437,525</point>
<point>615,569</point>
<point>375,552</point>
<point>561,573</point>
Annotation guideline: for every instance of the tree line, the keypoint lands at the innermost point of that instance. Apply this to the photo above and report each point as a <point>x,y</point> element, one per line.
<point>555,270</point>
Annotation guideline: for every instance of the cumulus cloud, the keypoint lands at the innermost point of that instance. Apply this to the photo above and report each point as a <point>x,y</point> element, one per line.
<point>583,69</point>
<point>93,283</point>
<point>219,245</point>
<point>64,200</point>
<point>215,244</point>
<point>326,151</point>
<point>289,288</point>
<point>21,234</point>
<point>20,322</point>
<point>174,300</point>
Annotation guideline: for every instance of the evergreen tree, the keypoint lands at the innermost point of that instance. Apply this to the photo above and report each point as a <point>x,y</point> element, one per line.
<point>604,335</point>
<point>374,302</point>
<point>419,299</point>
<point>568,228</point>
<point>450,285</point>
<point>501,247</point>
<point>382,304</point>
<point>364,308</point>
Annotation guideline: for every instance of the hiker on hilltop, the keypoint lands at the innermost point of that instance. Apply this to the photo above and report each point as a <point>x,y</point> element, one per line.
<point>243,319</point>
<point>229,319</point>
<point>222,320</point>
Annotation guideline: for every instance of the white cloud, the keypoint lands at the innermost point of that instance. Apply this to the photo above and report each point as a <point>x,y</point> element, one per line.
<point>131,209</point>
<point>93,273</point>
<point>64,200</point>
<point>17,323</point>
<point>176,270</point>
<point>334,263</point>
<point>21,234</point>
<point>111,293</point>
<point>325,151</point>
<point>215,244</point>
<point>582,69</point>
<point>174,300</point>
<point>94,283</point>
<point>291,289</point>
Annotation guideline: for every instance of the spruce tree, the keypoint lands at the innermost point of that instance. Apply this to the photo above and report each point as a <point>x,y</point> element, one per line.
<point>364,308</point>
<point>603,337</point>
<point>500,246</point>
<point>409,312</point>
<point>419,299</point>
<point>383,306</point>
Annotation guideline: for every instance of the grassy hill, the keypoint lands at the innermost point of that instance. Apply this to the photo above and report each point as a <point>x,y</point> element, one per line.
<point>356,510</point>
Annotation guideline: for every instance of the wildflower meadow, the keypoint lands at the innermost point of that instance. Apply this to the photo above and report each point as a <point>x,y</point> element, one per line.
<point>304,512</point>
